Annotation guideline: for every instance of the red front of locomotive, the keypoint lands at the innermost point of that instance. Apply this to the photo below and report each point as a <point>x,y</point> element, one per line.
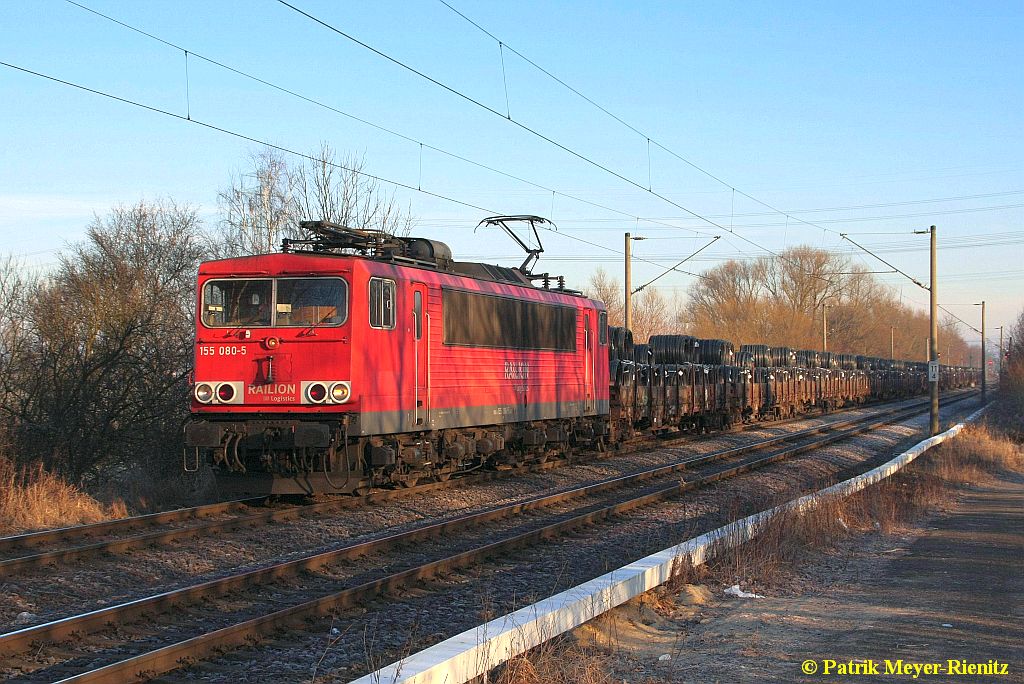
<point>272,381</point>
<point>273,336</point>
<point>339,372</point>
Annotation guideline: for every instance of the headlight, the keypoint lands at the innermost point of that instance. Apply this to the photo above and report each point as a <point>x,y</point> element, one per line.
<point>316,392</point>
<point>340,392</point>
<point>204,393</point>
<point>225,392</point>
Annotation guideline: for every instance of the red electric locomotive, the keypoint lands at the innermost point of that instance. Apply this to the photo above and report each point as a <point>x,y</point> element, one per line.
<point>357,359</point>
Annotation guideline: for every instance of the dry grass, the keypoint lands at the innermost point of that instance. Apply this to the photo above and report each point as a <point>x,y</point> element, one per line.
<point>32,498</point>
<point>557,662</point>
<point>790,539</point>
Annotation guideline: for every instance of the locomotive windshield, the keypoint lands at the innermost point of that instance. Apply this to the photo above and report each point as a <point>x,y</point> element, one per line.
<point>279,302</point>
<point>311,301</point>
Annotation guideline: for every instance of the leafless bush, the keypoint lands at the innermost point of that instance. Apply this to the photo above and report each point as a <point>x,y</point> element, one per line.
<point>96,384</point>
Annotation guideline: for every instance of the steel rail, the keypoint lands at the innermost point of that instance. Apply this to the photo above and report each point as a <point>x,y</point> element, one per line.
<point>17,564</point>
<point>188,651</point>
<point>20,563</point>
<point>30,539</point>
<point>21,640</point>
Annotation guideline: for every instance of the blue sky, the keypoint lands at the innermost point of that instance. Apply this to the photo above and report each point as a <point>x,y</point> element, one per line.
<point>806,106</point>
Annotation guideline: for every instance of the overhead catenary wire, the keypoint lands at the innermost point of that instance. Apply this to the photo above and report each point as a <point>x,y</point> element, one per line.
<point>658,277</point>
<point>478,103</point>
<point>421,144</point>
<point>243,136</point>
<point>880,205</point>
<point>675,227</point>
<point>296,153</point>
<point>621,253</point>
<point>854,219</point>
<point>492,110</point>
<point>968,243</point>
<point>661,146</point>
<point>531,130</point>
<point>912,278</point>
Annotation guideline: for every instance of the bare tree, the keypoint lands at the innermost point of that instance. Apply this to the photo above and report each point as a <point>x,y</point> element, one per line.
<point>265,203</point>
<point>781,301</point>
<point>16,340</point>
<point>728,304</point>
<point>608,290</point>
<point>652,315</point>
<point>342,192</point>
<point>260,207</point>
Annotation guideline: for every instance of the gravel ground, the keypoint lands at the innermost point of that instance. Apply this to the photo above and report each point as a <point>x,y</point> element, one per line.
<point>94,582</point>
<point>354,641</point>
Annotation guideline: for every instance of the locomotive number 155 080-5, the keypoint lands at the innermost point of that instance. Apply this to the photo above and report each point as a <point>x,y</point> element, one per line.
<point>222,350</point>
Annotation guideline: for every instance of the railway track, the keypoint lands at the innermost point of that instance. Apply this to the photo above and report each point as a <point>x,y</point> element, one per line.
<point>379,565</point>
<point>24,552</point>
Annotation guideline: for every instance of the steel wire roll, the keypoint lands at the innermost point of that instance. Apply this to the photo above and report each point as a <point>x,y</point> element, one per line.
<point>617,336</point>
<point>642,353</point>
<point>627,344</point>
<point>781,356</point>
<point>715,352</point>
<point>758,353</point>
<point>743,359</point>
<point>812,358</point>
<point>847,361</point>
<point>674,349</point>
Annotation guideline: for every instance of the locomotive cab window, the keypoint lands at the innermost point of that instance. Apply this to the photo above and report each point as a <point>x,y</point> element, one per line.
<point>382,303</point>
<point>602,327</point>
<point>266,302</point>
<point>238,302</point>
<point>308,302</point>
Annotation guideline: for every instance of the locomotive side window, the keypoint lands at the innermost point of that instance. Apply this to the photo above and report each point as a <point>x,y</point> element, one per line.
<point>308,302</point>
<point>417,312</point>
<point>478,320</point>
<point>382,303</point>
<point>602,327</point>
<point>237,302</point>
